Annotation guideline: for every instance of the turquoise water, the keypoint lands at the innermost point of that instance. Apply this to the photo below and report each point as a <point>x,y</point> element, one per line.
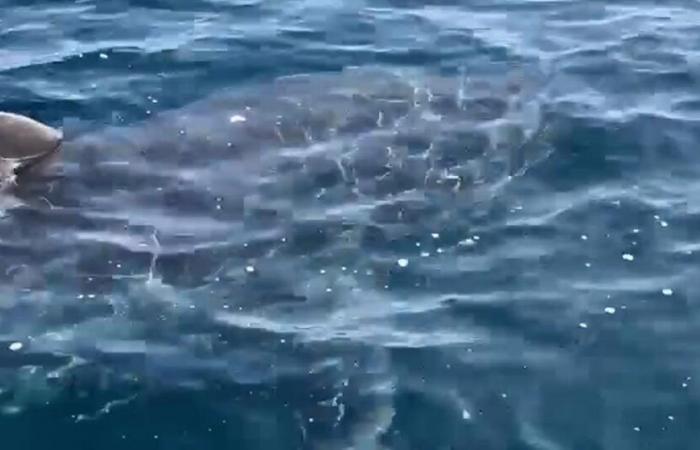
<point>346,263</point>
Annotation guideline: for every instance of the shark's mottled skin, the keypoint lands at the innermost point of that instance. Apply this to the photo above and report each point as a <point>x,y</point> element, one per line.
<point>217,216</point>
<point>377,132</point>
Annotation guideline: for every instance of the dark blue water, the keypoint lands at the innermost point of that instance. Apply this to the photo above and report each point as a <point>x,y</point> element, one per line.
<point>159,293</point>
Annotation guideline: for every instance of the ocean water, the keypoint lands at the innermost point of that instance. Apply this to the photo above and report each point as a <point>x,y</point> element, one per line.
<point>385,224</point>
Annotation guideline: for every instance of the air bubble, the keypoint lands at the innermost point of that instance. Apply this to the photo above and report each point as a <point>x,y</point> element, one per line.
<point>16,346</point>
<point>468,242</point>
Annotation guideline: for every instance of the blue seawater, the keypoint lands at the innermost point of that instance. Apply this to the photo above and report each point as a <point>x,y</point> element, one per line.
<point>140,308</point>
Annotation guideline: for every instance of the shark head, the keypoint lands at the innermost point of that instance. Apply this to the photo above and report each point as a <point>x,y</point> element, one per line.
<point>25,144</point>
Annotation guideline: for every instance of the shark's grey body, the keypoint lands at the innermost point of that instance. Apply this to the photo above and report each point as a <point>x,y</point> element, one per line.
<point>312,143</point>
<point>217,217</point>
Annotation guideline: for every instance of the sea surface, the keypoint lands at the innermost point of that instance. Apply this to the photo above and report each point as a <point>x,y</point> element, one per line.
<point>307,224</point>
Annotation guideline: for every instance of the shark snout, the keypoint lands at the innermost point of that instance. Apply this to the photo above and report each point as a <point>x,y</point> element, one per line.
<point>25,143</point>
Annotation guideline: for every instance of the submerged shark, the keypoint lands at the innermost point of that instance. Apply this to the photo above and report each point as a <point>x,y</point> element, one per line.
<point>309,146</point>
<point>217,216</point>
<point>363,124</point>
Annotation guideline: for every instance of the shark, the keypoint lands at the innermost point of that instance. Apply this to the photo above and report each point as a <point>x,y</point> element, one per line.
<point>228,214</point>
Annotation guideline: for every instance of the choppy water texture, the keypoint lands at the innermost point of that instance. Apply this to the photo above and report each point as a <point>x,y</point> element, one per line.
<point>366,224</point>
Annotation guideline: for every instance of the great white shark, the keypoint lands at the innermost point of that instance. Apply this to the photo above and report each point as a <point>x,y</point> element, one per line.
<point>268,182</point>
